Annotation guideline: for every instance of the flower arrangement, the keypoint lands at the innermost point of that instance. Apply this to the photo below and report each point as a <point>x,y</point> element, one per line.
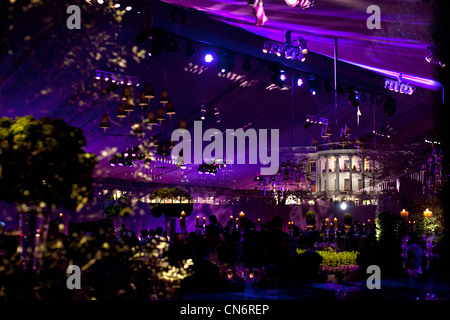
<point>171,202</point>
<point>173,195</point>
<point>117,207</point>
<point>336,259</point>
<point>340,272</point>
<point>341,264</point>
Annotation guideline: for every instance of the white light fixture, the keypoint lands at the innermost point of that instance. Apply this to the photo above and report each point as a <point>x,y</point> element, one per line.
<point>122,79</point>
<point>343,206</point>
<point>302,45</point>
<point>203,113</point>
<point>292,3</point>
<point>316,119</point>
<point>432,57</point>
<point>399,86</point>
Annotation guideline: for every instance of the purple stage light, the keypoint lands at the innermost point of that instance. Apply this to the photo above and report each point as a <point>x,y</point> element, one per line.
<point>208,57</point>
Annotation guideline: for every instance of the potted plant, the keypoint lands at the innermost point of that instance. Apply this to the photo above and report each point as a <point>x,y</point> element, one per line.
<point>348,219</point>
<point>310,220</point>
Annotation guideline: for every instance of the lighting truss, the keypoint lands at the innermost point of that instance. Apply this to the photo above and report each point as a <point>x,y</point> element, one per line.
<point>210,168</point>
<point>290,49</point>
<point>316,119</point>
<point>378,133</point>
<point>432,142</point>
<point>399,86</point>
<point>118,78</point>
<point>432,57</point>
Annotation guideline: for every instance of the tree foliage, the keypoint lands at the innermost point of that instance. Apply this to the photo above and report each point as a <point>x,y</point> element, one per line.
<point>310,218</point>
<point>388,228</point>
<point>43,161</point>
<point>171,202</point>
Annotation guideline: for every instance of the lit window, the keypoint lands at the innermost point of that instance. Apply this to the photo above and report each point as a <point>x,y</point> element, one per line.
<point>346,164</point>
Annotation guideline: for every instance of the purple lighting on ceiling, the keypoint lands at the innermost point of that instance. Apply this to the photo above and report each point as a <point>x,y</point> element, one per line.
<point>423,82</point>
<point>208,58</point>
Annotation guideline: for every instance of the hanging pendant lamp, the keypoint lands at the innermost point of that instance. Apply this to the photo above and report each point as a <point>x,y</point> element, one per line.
<point>121,113</point>
<point>170,110</point>
<point>126,94</point>
<point>151,119</point>
<point>143,102</point>
<point>164,97</point>
<point>160,115</point>
<point>149,93</point>
<point>182,124</point>
<point>105,122</point>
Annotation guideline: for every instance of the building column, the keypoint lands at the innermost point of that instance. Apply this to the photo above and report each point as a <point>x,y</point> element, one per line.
<point>373,173</point>
<point>350,176</point>
<point>336,192</point>
<point>318,175</point>
<point>327,186</point>
<point>363,173</point>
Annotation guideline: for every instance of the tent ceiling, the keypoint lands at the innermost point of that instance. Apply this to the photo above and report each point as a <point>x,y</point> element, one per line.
<point>244,99</point>
<point>404,35</point>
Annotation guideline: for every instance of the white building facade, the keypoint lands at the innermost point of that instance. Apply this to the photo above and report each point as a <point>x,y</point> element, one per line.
<point>343,175</point>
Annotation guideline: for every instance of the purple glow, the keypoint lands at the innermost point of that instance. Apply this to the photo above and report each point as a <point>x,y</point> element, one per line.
<point>413,79</point>
<point>208,58</point>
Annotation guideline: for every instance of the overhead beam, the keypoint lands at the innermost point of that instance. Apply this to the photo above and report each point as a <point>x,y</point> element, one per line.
<point>198,26</point>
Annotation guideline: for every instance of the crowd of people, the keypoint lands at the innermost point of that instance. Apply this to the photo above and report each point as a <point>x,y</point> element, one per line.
<point>108,255</point>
